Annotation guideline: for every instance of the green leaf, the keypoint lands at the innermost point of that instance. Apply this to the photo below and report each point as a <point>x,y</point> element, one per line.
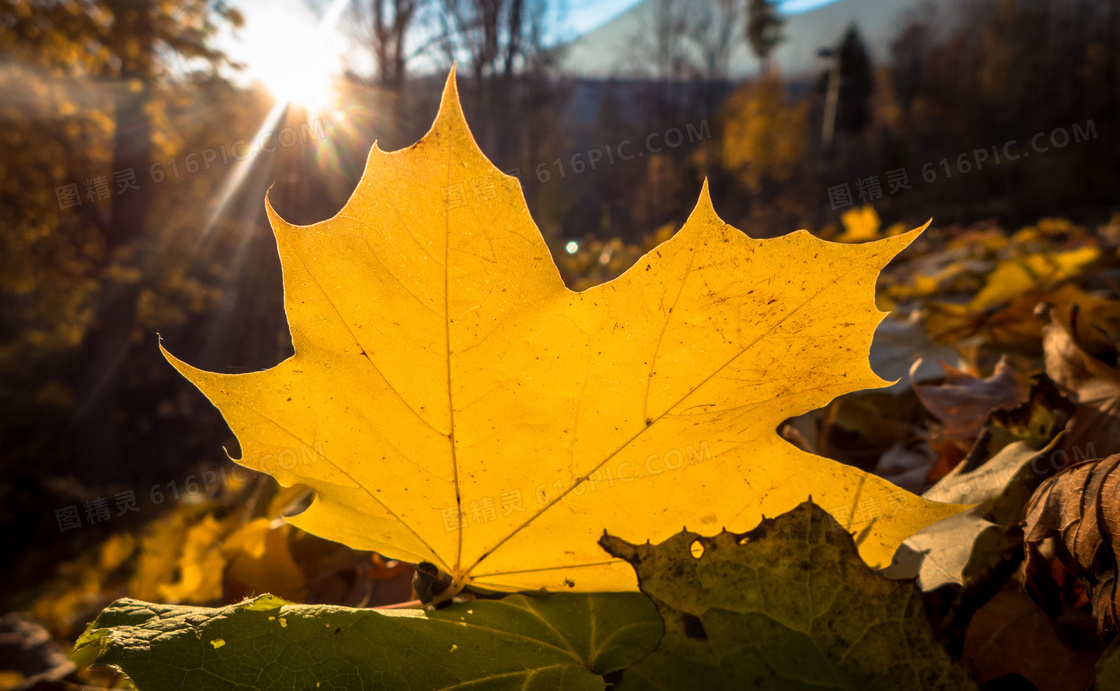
<point>789,605</point>
<point>519,642</point>
<point>1107,672</point>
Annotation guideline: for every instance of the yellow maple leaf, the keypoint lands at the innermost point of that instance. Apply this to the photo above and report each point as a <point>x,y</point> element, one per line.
<point>1016,276</point>
<point>201,565</point>
<point>259,556</point>
<point>860,224</point>
<point>471,411</point>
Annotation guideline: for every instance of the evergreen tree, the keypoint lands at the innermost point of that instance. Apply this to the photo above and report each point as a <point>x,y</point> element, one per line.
<point>764,30</point>
<point>857,84</point>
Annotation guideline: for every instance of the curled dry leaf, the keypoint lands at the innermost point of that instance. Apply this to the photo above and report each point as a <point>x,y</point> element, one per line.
<point>1080,508</point>
<point>1094,429</point>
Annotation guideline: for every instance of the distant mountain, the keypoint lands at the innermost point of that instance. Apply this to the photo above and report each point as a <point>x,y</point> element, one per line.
<point>614,49</point>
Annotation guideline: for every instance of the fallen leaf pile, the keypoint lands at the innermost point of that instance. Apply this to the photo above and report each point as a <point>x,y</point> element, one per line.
<point>454,402</point>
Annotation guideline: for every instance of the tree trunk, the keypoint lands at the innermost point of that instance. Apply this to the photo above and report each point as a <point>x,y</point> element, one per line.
<point>105,351</point>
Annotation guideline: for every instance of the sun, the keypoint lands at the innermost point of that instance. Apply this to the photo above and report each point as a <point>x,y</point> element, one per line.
<point>291,53</point>
<point>302,79</point>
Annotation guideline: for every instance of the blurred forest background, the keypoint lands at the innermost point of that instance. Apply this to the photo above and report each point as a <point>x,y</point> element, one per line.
<point>134,162</point>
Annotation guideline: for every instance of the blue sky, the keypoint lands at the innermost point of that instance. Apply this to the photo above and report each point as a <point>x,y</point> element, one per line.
<point>584,15</point>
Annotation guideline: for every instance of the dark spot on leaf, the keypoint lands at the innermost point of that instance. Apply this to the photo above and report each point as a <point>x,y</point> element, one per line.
<point>693,628</point>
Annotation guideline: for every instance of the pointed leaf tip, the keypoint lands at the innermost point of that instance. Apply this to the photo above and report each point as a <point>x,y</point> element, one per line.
<point>450,85</point>
<point>704,209</point>
<point>705,199</point>
<point>449,102</point>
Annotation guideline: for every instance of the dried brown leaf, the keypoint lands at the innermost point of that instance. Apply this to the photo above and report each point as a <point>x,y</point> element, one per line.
<point>1091,384</point>
<point>1080,509</point>
<point>963,402</point>
<point>1011,635</point>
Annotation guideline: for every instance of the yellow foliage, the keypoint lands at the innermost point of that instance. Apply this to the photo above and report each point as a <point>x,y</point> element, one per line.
<point>159,549</point>
<point>115,552</point>
<point>80,588</point>
<point>258,555</point>
<point>181,559</point>
<point>1013,277</point>
<point>764,135</point>
<point>475,413</point>
<point>200,563</point>
<point>861,224</point>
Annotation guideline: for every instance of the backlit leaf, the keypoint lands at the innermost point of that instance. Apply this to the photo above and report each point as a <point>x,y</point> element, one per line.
<point>451,401</point>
